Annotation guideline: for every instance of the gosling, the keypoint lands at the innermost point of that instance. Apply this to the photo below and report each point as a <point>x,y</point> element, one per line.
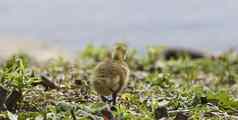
<point>111,75</point>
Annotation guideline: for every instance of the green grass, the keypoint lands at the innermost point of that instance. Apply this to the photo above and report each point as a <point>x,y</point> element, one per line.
<point>202,88</point>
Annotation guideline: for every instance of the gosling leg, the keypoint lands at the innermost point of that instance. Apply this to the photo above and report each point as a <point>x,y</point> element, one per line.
<point>114,98</point>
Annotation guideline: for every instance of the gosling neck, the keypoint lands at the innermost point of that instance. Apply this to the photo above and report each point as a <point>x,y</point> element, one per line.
<point>118,56</point>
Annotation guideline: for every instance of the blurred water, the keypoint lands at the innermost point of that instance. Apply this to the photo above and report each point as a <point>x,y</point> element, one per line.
<point>208,24</point>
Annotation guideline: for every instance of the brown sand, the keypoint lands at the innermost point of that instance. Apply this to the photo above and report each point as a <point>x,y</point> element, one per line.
<point>38,49</point>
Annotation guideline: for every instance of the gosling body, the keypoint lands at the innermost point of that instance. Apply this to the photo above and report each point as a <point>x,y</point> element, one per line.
<point>111,75</point>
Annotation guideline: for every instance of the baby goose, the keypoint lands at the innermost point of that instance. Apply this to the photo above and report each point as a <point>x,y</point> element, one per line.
<point>111,75</point>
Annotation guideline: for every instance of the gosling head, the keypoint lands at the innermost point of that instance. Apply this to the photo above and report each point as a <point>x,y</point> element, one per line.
<point>120,51</point>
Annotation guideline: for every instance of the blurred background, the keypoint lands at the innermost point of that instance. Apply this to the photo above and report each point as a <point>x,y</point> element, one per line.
<point>49,27</point>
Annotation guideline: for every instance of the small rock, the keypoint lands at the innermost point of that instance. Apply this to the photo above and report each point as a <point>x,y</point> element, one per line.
<point>78,82</point>
<point>12,100</point>
<point>113,108</point>
<point>181,116</point>
<point>3,96</point>
<point>161,112</point>
<point>175,53</point>
<point>203,100</point>
<point>140,67</point>
<point>47,82</point>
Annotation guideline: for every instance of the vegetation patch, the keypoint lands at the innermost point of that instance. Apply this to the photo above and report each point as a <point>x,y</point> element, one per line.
<point>184,87</point>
